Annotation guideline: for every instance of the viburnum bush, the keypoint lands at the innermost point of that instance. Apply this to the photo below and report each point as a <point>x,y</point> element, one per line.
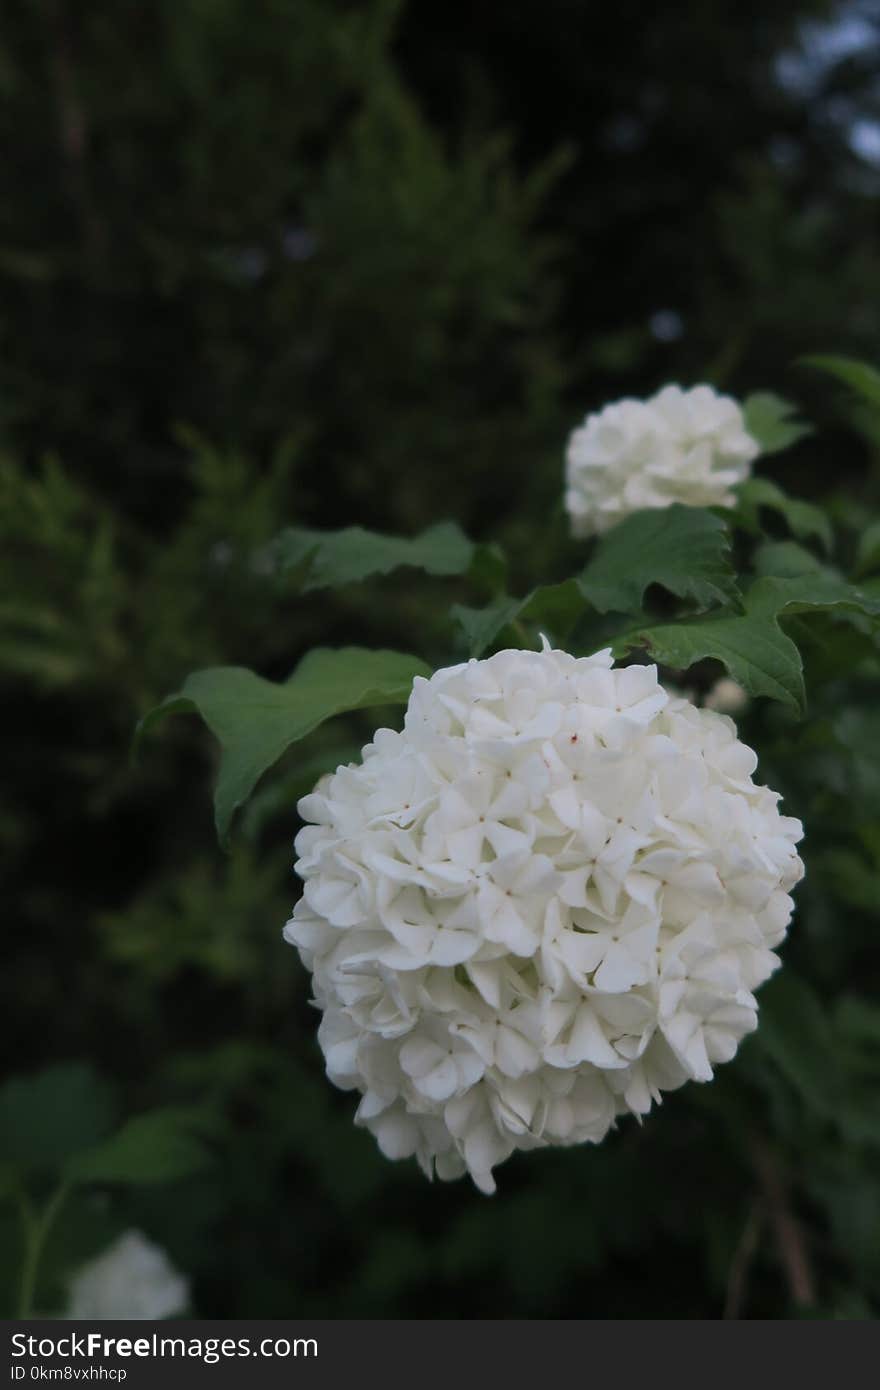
<point>551,895</point>
<point>546,896</point>
<point>381,287</point>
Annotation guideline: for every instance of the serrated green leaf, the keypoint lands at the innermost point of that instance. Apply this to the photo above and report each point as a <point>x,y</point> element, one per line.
<point>255,720</point>
<point>334,558</point>
<point>758,655</point>
<point>684,549</point>
<point>52,1114</point>
<point>752,645</point>
<point>802,518</point>
<point>805,592</point>
<point>769,420</point>
<point>161,1146</point>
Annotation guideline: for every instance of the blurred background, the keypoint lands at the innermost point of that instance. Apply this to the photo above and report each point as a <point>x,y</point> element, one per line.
<point>268,262</point>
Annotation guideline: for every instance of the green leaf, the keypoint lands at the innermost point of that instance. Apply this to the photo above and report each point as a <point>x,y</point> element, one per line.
<point>806,592</point>
<point>334,558</point>
<point>482,625</point>
<point>795,1033</point>
<point>859,1020</point>
<point>488,568</point>
<point>684,549</point>
<point>554,608</point>
<point>868,552</point>
<point>861,378</point>
<point>824,1057</point>
<point>785,560</point>
<point>752,646</point>
<point>757,654</point>
<point>277,796</point>
<point>768,419</point>
<point>871,587</point>
<point>161,1146</point>
<point>255,720</point>
<point>854,882</point>
<point>46,1117</point>
<point>802,518</point>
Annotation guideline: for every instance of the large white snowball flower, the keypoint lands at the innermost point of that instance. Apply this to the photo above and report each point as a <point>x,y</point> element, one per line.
<point>680,446</point>
<point>544,902</point>
<point>132,1279</point>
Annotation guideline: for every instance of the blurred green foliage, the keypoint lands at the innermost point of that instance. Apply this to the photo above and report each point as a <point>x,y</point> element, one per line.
<point>267,265</point>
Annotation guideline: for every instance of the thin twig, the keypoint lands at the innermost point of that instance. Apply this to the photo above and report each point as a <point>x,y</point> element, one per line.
<point>790,1242</point>
<point>73,135</point>
<point>738,1276</point>
<point>37,1231</point>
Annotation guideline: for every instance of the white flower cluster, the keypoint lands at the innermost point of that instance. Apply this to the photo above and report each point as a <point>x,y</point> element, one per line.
<point>132,1279</point>
<point>544,902</point>
<point>679,446</point>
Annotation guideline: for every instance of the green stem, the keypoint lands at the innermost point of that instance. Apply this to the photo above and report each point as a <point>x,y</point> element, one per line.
<point>36,1232</point>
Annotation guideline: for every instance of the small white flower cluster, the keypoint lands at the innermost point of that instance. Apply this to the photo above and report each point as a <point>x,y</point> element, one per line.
<point>680,446</point>
<point>132,1279</point>
<point>544,902</point>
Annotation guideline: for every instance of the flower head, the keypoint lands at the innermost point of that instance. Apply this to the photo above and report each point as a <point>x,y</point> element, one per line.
<point>680,446</point>
<point>544,902</point>
<point>132,1279</point>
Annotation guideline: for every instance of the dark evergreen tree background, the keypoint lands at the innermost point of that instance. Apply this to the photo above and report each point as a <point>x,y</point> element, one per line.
<point>305,261</point>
